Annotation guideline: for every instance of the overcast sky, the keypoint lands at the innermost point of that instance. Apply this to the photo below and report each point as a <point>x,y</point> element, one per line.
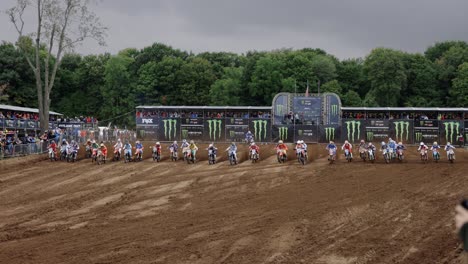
<point>344,28</point>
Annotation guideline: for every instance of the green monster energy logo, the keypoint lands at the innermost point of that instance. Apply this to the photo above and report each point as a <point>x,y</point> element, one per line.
<point>370,136</point>
<point>184,133</point>
<point>279,109</point>
<point>418,136</point>
<point>170,128</point>
<point>400,130</point>
<point>232,134</point>
<point>259,127</point>
<point>214,125</point>
<point>142,133</point>
<point>334,109</point>
<point>352,127</point>
<point>450,128</point>
<point>283,133</point>
<point>330,133</point>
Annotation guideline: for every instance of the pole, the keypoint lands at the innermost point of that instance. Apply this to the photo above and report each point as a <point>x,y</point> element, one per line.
<point>293,113</point>
<point>318,86</point>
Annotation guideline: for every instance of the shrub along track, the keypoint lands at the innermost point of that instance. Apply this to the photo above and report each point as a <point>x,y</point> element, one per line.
<point>148,212</point>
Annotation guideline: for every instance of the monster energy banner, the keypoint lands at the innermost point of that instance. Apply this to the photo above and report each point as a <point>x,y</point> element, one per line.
<point>331,105</point>
<point>309,109</point>
<point>284,133</point>
<point>214,130</point>
<point>147,133</point>
<point>377,130</point>
<point>426,131</point>
<point>280,108</point>
<point>330,133</point>
<point>450,130</point>
<point>236,129</point>
<point>353,130</point>
<point>192,128</point>
<point>401,130</point>
<point>261,130</point>
<point>168,129</point>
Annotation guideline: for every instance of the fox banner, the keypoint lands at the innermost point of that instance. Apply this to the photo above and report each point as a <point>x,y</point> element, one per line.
<point>330,133</point>
<point>401,131</point>
<point>377,130</point>
<point>353,130</point>
<point>169,129</point>
<point>236,128</point>
<point>214,130</point>
<point>426,131</point>
<point>450,130</point>
<point>308,133</point>
<point>261,129</point>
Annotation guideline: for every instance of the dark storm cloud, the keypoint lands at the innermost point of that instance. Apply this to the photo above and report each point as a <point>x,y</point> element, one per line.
<point>343,28</point>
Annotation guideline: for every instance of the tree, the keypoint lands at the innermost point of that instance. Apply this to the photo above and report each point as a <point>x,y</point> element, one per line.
<point>332,87</point>
<point>226,91</point>
<point>459,91</point>
<point>323,68</point>
<point>350,75</point>
<point>61,25</point>
<point>351,98</point>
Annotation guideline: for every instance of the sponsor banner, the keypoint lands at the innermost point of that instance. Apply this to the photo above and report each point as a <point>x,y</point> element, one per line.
<point>261,130</point>
<point>308,133</point>
<point>309,109</point>
<point>69,125</point>
<point>168,129</point>
<point>237,122</point>
<point>353,130</point>
<point>192,121</point>
<point>401,131</point>
<point>10,123</point>
<point>280,108</point>
<point>426,131</point>
<point>147,121</point>
<point>283,132</point>
<point>332,109</point>
<point>450,130</point>
<point>377,130</point>
<point>147,133</point>
<point>214,130</point>
<point>330,133</point>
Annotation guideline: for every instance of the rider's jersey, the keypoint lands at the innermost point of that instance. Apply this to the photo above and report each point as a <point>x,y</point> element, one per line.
<point>95,145</point>
<point>138,146</point>
<point>282,146</point>
<point>347,146</point>
<point>422,147</point>
<point>363,145</point>
<point>128,146</point>
<point>193,147</point>
<point>384,147</point>
<point>184,145</point>
<point>175,147</point>
<point>449,147</point>
<point>248,135</point>
<point>402,147</point>
<point>53,146</point>
<point>435,147</point>
<point>158,147</point>
<point>75,147</point>
<point>392,144</point>
<point>213,149</point>
<point>300,146</point>
<point>232,148</point>
<point>371,147</point>
<point>118,145</point>
<point>304,145</point>
<point>256,147</point>
<point>331,146</point>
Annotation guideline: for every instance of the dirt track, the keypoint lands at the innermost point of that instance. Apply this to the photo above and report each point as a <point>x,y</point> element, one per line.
<point>267,212</point>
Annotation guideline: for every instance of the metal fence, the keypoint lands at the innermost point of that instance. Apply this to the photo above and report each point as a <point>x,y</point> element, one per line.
<point>18,150</point>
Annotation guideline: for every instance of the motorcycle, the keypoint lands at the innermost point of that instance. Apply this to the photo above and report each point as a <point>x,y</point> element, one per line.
<point>156,154</point>
<point>386,155</point>
<point>451,155</point>
<point>331,155</point>
<point>301,157</point>
<point>116,154</point>
<point>370,154</point>
<point>89,151</point>
<point>139,154</point>
<point>391,153</point>
<point>400,155</point>
<point>100,158</point>
<point>173,154</point>
<point>51,154</point>
<point>435,155</point>
<point>281,156</point>
<point>63,154</point>
<point>362,154</point>
<point>423,153</point>
<point>211,157</point>
<point>348,155</point>
<point>232,158</point>
<point>188,155</point>
<point>127,156</point>
<point>254,155</point>
<point>94,155</point>
<point>69,154</point>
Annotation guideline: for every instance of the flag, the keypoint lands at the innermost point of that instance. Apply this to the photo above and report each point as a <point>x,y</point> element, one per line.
<point>307,90</point>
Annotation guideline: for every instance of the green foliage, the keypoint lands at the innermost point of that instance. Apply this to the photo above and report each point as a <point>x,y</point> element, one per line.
<point>459,91</point>
<point>351,98</point>
<point>332,87</point>
<point>226,91</point>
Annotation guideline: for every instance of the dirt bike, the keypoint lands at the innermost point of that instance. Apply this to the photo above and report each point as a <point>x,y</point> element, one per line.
<point>301,156</point>
<point>362,154</point>
<point>89,152</point>
<point>51,154</point>
<point>63,155</point>
<point>281,156</point>
<point>138,155</point>
<point>232,158</point>
<point>156,154</point>
<point>386,155</point>
<point>71,157</point>
<point>331,155</point>
<point>211,157</point>
<point>423,154</point>
<point>100,158</point>
<point>116,154</point>
<point>391,153</point>
<point>188,156</point>
<point>127,156</point>
<point>348,155</point>
<point>94,155</point>
<point>400,155</point>
<point>173,154</point>
<point>370,154</point>
<point>254,155</point>
<point>435,155</point>
<point>451,155</point>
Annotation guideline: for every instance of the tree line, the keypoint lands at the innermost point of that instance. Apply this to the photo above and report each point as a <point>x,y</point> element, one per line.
<point>108,86</point>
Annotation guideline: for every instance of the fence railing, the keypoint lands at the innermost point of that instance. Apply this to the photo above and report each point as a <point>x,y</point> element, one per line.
<point>17,150</point>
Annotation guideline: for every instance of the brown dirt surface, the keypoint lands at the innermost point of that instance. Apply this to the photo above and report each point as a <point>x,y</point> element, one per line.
<point>148,212</point>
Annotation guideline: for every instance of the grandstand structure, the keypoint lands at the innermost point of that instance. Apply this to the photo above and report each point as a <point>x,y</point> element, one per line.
<point>316,118</point>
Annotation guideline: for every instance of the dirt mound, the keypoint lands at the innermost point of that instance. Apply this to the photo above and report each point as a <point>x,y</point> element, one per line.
<point>173,212</point>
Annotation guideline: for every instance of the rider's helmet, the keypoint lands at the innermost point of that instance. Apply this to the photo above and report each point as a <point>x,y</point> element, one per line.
<point>52,141</point>
<point>383,143</point>
<point>94,141</point>
<point>73,142</point>
<point>210,146</point>
<point>280,141</point>
<point>233,143</point>
<point>331,142</point>
<point>102,145</point>
<point>448,143</point>
<point>252,144</point>
<point>157,143</point>
<point>435,143</point>
<point>400,143</point>
<point>298,142</point>
<point>118,140</point>
<point>192,142</point>
<point>346,142</point>
<point>362,141</point>
<point>184,141</point>
<point>175,142</point>
<point>248,132</point>
<point>137,142</point>
<point>421,144</point>
<point>390,139</point>
<point>64,141</point>
<point>370,144</point>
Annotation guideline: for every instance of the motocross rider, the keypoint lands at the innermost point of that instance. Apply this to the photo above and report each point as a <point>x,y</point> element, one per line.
<point>281,147</point>
<point>256,147</point>
<point>232,149</point>
<point>349,147</point>
<point>448,147</point>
